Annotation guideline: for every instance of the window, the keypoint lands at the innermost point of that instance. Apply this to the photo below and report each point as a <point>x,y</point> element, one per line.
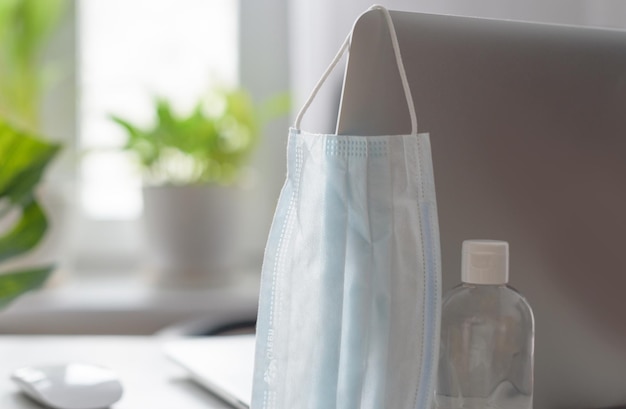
<point>129,53</point>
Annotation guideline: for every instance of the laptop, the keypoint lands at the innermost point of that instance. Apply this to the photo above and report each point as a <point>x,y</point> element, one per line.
<point>527,125</point>
<point>528,132</point>
<point>222,364</point>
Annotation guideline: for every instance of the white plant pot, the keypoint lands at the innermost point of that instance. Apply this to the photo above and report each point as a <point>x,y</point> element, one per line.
<point>191,233</point>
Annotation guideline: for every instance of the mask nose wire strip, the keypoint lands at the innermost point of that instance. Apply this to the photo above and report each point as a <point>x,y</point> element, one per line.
<point>345,47</point>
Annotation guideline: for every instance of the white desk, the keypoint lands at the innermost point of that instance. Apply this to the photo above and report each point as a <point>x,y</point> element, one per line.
<point>150,380</point>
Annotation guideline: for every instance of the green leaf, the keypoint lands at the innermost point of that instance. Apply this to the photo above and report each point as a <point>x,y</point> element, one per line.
<point>25,234</point>
<point>23,159</point>
<point>133,132</point>
<point>41,17</point>
<point>16,283</point>
<point>26,27</point>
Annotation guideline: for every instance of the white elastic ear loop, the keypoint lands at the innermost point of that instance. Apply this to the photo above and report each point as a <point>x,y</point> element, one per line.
<point>345,46</point>
<point>401,70</point>
<point>340,53</point>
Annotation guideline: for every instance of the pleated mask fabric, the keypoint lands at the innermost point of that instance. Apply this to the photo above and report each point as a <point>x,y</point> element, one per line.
<point>349,305</point>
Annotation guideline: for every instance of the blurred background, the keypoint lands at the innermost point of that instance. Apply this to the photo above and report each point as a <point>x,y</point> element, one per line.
<point>131,256</point>
<point>167,237</point>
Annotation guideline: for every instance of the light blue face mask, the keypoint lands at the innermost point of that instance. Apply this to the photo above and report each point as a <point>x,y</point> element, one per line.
<point>349,305</point>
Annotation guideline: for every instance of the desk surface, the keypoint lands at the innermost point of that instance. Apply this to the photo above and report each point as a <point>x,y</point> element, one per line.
<point>150,380</point>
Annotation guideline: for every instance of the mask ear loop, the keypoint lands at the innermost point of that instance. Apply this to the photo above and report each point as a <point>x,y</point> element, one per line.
<point>345,47</point>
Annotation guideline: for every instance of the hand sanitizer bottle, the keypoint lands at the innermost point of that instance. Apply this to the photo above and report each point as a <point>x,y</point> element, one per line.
<point>487,336</point>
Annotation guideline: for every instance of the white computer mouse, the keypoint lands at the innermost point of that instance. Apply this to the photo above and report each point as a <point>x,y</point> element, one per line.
<point>70,386</point>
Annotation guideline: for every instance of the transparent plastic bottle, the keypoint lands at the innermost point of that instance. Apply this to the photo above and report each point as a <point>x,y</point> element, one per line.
<point>487,336</point>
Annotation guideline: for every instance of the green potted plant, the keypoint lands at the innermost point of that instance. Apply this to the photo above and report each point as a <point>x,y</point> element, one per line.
<point>192,165</point>
<point>23,223</point>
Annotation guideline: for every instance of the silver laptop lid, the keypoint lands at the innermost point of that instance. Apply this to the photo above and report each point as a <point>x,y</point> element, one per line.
<point>528,131</point>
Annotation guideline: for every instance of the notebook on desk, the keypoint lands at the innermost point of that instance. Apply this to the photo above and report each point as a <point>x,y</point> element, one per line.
<point>222,364</point>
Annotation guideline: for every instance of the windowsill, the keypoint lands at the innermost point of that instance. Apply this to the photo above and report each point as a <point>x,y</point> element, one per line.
<point>125,304</point>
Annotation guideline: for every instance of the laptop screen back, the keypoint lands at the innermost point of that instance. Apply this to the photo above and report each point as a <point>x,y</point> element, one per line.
<point>528,131</point>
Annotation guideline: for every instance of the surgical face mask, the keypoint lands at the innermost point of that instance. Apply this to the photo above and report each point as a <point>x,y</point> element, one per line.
<point>349,304</point>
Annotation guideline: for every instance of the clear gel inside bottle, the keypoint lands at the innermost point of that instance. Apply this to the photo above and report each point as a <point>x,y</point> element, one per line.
<point>487,336</point>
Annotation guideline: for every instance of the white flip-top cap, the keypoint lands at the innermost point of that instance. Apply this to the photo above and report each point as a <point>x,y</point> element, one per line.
<point>485,262</point>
